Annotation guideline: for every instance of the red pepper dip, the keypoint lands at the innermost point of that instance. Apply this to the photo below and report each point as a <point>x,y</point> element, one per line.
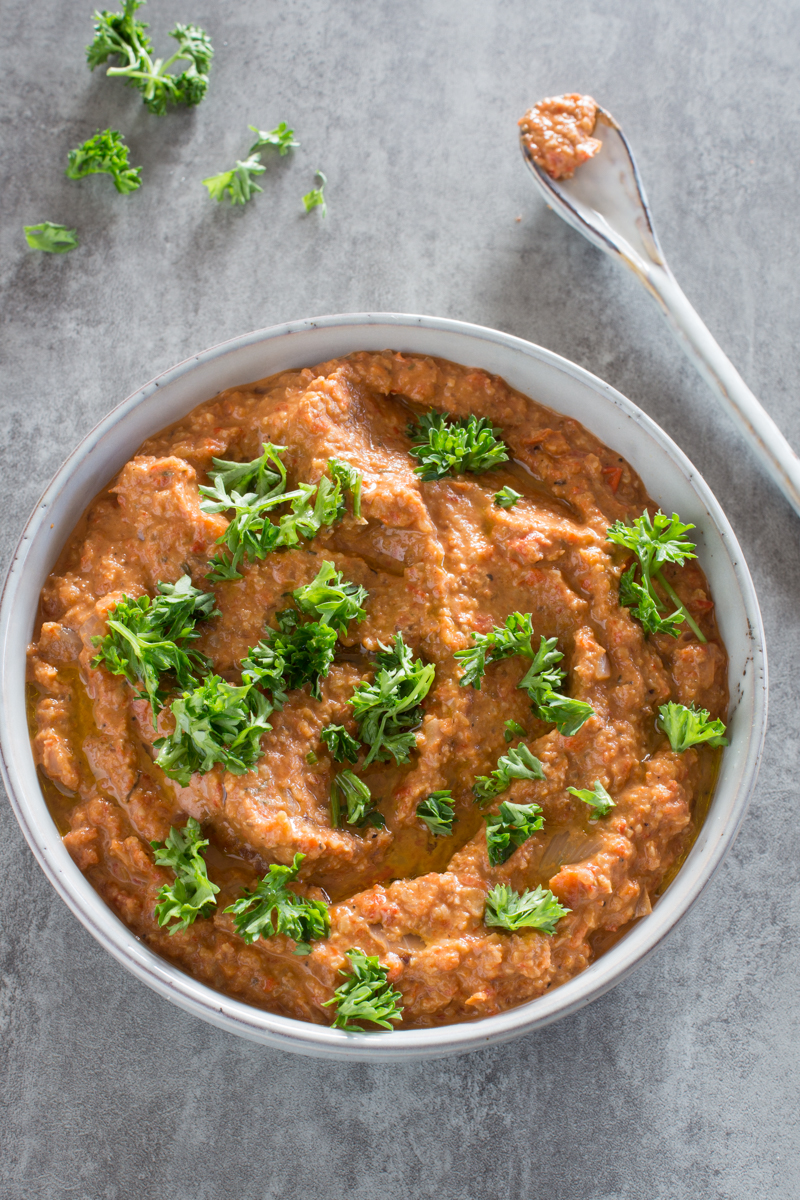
<point>557,132</point>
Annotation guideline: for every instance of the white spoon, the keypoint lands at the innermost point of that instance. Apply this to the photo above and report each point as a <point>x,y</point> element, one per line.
<point>605,201</point>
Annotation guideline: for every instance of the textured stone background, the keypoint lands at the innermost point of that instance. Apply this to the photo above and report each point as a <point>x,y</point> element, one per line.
<point>681,1083</point>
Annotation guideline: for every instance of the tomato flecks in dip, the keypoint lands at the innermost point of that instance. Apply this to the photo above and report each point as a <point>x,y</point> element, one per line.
<point>439,560</point>
<point>558,133</point>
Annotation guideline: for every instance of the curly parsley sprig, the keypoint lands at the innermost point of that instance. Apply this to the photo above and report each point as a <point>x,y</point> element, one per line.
<point>437,812</point>
<point>332,598</point>
<point>291,656</point>
<point>508,828</point>
<point>597,798</point>
<point>351,798</point>
<point>692,726</point>
<point>50,237</point>
<point>655,541</point>
<point>517,764</point>
<point>192,894</point>
<point>272,908</point>
<point>448,446</point>
<point>537,909</point>
<point>120,36</point>
<point>239,183</point>
<point>105,154</point>
<point>281,138</point>
<point>365,995</point>
<point>215,722</point>
<point>339,742</point>
<point>388,710</point>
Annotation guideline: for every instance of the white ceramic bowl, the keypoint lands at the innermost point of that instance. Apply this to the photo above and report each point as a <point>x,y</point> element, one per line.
<point>669,478</point>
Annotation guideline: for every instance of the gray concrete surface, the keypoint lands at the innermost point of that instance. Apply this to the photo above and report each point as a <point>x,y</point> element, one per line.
<point>682,1083</point>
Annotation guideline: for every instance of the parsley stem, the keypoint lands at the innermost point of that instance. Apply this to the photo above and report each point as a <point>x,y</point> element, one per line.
<point>674,597</point>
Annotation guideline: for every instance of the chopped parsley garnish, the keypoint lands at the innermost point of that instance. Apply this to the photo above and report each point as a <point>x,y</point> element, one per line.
<point>507,497</point>
<point>596,797</point>
<point>366,995</point>
<point>341,745</point>
<point>513,729</point>
<point>291,656</point>
<point>214,722</point>
<point>448,446</point>
<point>351,792</point>
<point>537,909</point>
<point>250,491</point>
<point>517,764</point>
<point>330,597</point>
<point>121,36</point>
<point>687,727</point>
<point>238,184</point>
<point>52,238</point>
<point>105,154</point>
<point>192,894</point>
<point>437,812</point>
<point>655,541</point>
<point>350,479</point>
<point>316,197</point>
<point>146,638</point>
<point>388,710</point>
<point>509,828</point>
<point>273,908</point>
<point>542,679</point>
<point>281,137</point>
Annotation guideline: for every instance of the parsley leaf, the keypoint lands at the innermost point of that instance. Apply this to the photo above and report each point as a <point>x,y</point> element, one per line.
<point>146,638</point>
<point>508,909</point>
<point>192,894</point>
<point>316,197</point>
<point>238,184</point>
<point>291,656</point>
<point>389,709</point>
<point>282,137</point>
<point>350,479</point>
<point>272,908</point>
<point>507,497</point>
<point>437,812</point>
<point>597,797</point>
<point>351,791</point>
<point>214,722</point>
<point>513,729</point>
<point>332,598</point>
<point>687,727</point>
<point>341,745</point>
<point>121,36</point>
<point>655,541</point>
<point>105,154</point>
<point>365,995</point>
<point>514,638</point>
<point>53,239</point>
<point>509,828</point>
<point>446,446</point>
<point>517,764</point>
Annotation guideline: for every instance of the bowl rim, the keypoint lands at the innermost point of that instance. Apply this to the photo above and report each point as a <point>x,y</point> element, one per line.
<point>322,1041</point>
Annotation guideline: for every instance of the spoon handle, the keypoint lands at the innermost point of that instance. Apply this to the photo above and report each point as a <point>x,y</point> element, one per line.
<point>720,374</point>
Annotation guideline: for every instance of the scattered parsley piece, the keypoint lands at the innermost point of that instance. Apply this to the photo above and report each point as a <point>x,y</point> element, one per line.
<point>655,541</point>
<point>446,446</point>
<point>341,745</point>
<point>316,197</point>
<point>687,727</point>
<point>351,791</point>
<point>238,184</point>
<point>509,828</point>
<point>597,797</point>
<point>192,894</point>
<point>272,908</point>
<point>507,497</point>
<point>214,722</point>
<point>335,601</point>
<point>437,812</point>
<point>502,642</point>
<point>389,709</point>
<point>513,729</point>
<point>350,479</point>
<point>365,995</point>
<point>105,154</point>
<point>53,239</point>
<point>121,36</point>
<point>311,758</point>
<point>146,638</point>
<point>538,909</point>
<point>282,137</point>
<point>517,764</point>
<point>291,656</point>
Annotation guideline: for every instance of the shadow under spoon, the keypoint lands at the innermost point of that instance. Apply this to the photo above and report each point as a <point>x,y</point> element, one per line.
<point>605,201</point>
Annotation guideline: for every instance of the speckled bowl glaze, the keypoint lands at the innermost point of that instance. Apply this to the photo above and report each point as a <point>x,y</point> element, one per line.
<point>669,478</point>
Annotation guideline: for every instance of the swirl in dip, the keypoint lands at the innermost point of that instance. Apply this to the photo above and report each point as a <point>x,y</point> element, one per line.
<point>440,560</point>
